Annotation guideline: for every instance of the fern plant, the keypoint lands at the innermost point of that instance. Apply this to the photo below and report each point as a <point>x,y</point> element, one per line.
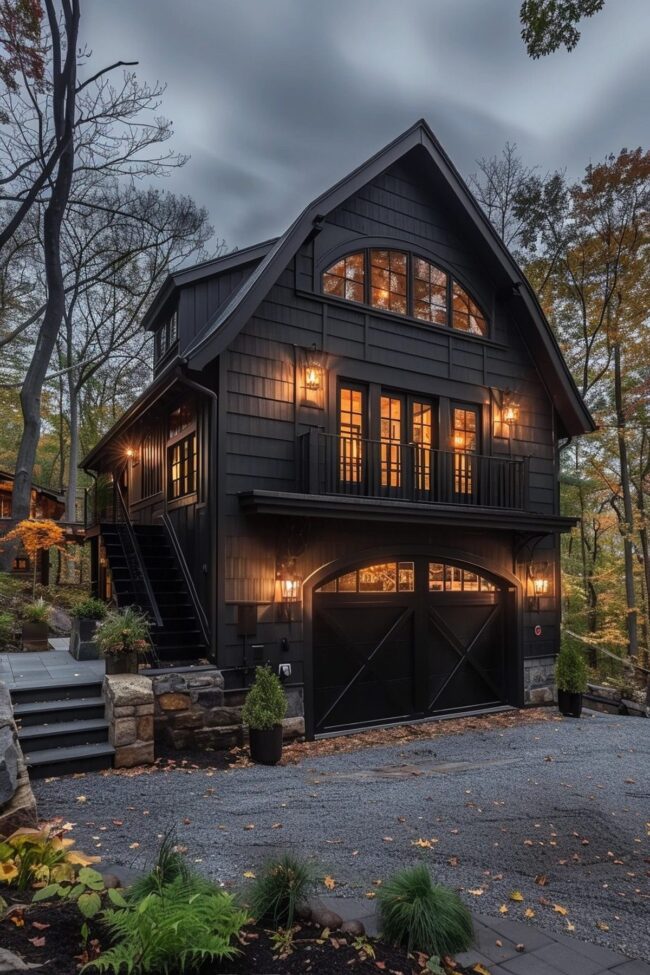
<point>280,887</point>
<point>176,929</point>
<point>423,916</point>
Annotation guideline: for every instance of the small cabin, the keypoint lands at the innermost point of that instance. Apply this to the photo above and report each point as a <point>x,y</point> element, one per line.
<point>346,464</point>
<point>44,504</point>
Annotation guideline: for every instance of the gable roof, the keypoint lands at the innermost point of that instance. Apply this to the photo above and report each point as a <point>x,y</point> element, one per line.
<point>197,272</point>
<point>225,324</point>
<point>47,492</point>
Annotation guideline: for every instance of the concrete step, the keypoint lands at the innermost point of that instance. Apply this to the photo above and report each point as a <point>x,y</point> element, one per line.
<point>63,761</point>
<point>63,734</point>
<point>57,690</point>
<point>31,713</point>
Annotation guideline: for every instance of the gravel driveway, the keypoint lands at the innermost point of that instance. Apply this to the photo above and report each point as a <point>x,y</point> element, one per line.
<point>566,802</point>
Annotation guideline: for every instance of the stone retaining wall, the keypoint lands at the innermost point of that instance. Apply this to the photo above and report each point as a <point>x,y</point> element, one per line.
<point>539,680</point>
<point>17,803</point>
<point>129,711</point>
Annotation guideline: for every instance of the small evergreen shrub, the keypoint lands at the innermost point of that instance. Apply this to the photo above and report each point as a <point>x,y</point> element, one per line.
<point>123,631</point>
<point>266,703</point>
<point>571,670</point>
<point>423,916</point>
<point>36,612</point>
<point>280,887</point>
<point>175,929</point>
<point>89,609</point>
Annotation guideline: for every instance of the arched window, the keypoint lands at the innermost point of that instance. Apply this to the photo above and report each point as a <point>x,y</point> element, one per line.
<point>467,315</point>
<point>346,278</point>
<point>404,284</point>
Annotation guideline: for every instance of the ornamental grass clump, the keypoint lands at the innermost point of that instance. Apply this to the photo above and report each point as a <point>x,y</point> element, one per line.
<point>266,703</point>
<point>123,631</point>
<point>36,612</point>
<point>571,670</point>
<point>423,916</point>
<point>89,609</point>
<point>280,887</point>
<point>169,866</point>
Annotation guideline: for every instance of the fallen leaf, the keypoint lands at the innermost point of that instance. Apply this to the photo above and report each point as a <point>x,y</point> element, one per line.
<point>249,826</point>
<point>602,926</point>
<point>504,909</point>
<point>560,910</point>
<point>329,882</point>
<point>82,799</point>
<point>40,926</point>
<point>541,879</point>
<point>133,846</point>
<point>529,912</point>
<point>249,874</point>
<point>37,942</point>
<point>480,969</point>
<point>476,891</point>
<point>570,926</point>
<point>517,896</point>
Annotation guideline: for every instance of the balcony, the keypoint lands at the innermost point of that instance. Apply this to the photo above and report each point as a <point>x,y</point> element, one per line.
<point>361,468</point>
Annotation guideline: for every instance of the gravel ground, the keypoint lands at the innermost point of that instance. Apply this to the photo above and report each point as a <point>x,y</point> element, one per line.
<point>564,800</point>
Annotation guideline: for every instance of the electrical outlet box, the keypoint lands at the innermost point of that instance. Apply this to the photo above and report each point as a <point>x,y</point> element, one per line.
<point>284,671</point>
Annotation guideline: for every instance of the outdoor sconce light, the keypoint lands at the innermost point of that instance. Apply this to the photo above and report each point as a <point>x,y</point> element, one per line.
<point>314,371</point>
<point>290,583</point>
<point>130,453</point>
<point>509,408</point>
<point>538,575</point>
<point>459,441</point>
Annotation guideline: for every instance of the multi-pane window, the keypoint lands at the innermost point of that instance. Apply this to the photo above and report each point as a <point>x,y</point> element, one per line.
<point>388,281</point>
<point>351,428</point>
<point>451,578</point>
<point>391,440</point>
<point>383,577</point>
<point>429,292</point>
<point>422,437</point>
<point>464,441</point>
<point>404,284</point>
<point>467,315</point>
<point>346,278</point>
<point>166,336</point>
<point>182,463</point>
<point>5,506</point>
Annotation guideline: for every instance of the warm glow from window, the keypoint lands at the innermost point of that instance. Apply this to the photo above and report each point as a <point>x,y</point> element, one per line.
<point>346,278</point>
<point>351,420</point>
<point>467,315</point>
<point>391,437</point>
<point>388,281</point>
<point>429,292</point>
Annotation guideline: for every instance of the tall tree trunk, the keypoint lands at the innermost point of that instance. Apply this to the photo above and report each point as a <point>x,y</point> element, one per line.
<point>73,460</point>
<point>63,110</point>
<point>628,514</point>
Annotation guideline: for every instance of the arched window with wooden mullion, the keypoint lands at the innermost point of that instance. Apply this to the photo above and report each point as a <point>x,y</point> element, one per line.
<point>346,278</point>
<point>466,314</point>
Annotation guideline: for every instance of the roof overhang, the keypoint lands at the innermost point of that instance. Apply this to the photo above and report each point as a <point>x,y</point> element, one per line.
<point>378,509</point>
<point>46,492</point>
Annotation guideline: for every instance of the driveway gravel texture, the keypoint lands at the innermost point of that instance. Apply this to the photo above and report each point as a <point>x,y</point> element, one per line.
<point>558,811</point>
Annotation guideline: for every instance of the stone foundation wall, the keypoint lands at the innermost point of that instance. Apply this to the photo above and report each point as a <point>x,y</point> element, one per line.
<point>192,710</point>
<point>17,803</point>
<point>539,680</point>
<point>129,709</point>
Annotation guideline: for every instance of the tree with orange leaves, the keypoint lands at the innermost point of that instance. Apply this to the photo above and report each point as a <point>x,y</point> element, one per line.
<point>36,535</point>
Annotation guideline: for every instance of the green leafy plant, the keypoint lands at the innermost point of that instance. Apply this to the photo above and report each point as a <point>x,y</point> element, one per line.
<point>176,929</point>
<point>86,890</point>
<point>423,916</point>
<point>283,941</point>
<point>39,856</point>
<point>279,888</point>
<point>7,626</point>
<point>571,670</point>
<point>170,865</point>
<point>266,703</point>
<point>123,631</point>
<point>89,609</point>
<point>36,612</point>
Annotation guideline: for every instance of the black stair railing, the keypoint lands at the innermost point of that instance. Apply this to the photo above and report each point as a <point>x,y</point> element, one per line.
<point>135,561</point>
<point>199,612</point>
<point>357,466</point>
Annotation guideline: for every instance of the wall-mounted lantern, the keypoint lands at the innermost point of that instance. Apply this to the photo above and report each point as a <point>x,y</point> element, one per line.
<point>509,408</point>
<point>314,371</point>
<point>130,453</point>
<point>538,574</point>
<point>290,584</point>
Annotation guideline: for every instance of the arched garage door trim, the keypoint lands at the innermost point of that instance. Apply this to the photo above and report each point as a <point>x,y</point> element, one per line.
<point>505,581</point>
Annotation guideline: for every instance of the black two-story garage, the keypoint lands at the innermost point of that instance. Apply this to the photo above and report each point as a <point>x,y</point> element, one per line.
<point>347,461</point>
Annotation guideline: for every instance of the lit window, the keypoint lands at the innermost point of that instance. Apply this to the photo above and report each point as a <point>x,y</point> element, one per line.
<point>388,281</point>
<point>182,467</point>
<point>386,577</point>
<point>451,578</point>
<point>346,278</point>
<point>351,417</point>
<point>467,316</point>
<point>464,441</point>
<point>5,506</point>
<point>422,437</point>
<point>391,437</point>
<point>429,292</point>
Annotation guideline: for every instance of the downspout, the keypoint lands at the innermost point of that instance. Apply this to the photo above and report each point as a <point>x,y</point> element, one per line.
<point>212,500</point>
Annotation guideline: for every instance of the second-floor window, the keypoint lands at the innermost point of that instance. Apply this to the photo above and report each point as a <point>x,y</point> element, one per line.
<point>166,337</point>
<point>404,284</point>
<point>182,467</point>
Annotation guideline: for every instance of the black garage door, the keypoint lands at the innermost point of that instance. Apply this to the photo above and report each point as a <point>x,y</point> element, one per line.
<point>406,639</point>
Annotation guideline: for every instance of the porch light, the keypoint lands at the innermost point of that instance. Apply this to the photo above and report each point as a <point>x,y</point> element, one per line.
<point>130,452</point>
<point>509,408</point>
<point>539,577</point>
<point>289,582</point>
<point>314,371</point>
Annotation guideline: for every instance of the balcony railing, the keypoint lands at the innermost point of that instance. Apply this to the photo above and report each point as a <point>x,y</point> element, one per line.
<point>358,467</point>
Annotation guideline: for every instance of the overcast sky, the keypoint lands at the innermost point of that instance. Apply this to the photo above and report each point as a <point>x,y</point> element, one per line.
<point>275,100</point>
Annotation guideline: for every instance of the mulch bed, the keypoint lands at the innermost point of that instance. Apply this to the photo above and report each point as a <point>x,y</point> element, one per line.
<point>49,935</point>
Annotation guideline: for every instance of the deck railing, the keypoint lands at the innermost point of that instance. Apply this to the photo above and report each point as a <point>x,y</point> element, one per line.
<point>356,466</point>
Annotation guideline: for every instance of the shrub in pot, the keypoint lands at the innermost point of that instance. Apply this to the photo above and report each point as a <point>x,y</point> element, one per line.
<point>122,636</point>
<point>85,616</point>
<point>571,680</point>
<point>36,619</point>
<point>263,711</point>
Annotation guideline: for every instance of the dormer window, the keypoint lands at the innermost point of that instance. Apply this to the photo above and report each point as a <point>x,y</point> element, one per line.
<point>404,284</point>
<point>166,337</point>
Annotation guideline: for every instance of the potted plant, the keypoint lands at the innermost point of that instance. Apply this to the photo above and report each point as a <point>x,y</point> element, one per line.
<point>121,637</point>
<point>263,711</point>
<point>571,679</point>
<point>85,616</point>
<point>36,618</point>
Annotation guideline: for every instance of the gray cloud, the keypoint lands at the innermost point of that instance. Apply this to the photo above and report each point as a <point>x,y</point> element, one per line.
<point>277,99</point>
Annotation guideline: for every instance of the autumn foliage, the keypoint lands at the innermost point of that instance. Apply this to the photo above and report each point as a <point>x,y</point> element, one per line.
<point>36,535</point>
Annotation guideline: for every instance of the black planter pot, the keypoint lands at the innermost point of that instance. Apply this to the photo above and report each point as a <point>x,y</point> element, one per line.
<point>266,745</point>
<point>569,703</point>
<point>82,639</point>
<point>122,663</point>
<point>35,636</point>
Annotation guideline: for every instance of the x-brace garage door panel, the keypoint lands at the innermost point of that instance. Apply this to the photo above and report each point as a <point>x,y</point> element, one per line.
<point>364,663</point>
